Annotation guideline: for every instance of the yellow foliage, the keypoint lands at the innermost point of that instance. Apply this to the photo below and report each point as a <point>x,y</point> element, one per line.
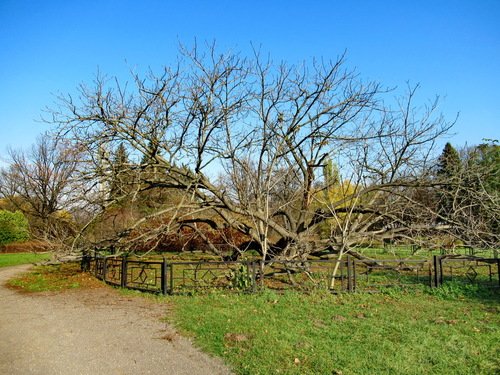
<point>63,215</point>
<point>335,201</point>
<point>340,195</point>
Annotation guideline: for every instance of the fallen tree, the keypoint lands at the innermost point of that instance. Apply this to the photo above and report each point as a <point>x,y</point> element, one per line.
<point>244,143</point>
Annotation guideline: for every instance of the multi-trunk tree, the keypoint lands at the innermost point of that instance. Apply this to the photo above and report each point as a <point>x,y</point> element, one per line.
<point>244,142</point>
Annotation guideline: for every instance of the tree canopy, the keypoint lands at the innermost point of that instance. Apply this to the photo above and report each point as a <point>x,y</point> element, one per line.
<point>245,142</point>
<point>288,160</point>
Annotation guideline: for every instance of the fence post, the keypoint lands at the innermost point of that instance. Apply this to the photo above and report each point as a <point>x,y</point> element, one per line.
<point>123,281</point>
<point>438,271</point>
<point>164,277</point>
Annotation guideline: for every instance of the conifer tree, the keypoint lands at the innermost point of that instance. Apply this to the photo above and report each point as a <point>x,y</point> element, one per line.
<point>119,167</point>
<point>449,162</point>
<point>448,172</point>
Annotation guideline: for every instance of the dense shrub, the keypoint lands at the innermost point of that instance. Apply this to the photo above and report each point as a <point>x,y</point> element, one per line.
<point>13,227</point>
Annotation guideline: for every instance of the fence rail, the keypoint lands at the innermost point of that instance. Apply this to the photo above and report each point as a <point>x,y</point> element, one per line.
<point>338,275</point>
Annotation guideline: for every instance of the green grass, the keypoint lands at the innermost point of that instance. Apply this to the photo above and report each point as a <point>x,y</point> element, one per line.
<point>22,258</point>
<point>399,333</point>
<point>54,278</point>
<point>405,252</point>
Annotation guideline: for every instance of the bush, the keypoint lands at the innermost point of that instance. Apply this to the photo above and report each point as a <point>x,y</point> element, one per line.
<point>13,227</point>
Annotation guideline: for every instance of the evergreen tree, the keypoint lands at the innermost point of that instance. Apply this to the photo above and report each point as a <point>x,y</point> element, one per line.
<point>449,162</point>
<point>120,171</point>
<point>149,156</point>
<point>121,156</point>
<point>448,170</point>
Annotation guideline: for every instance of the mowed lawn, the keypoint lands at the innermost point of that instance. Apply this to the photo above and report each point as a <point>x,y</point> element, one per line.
<point>22,258</point>
<point>445,332</point>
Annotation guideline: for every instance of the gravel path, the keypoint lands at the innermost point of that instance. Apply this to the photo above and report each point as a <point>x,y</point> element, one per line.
<point>94,331</point>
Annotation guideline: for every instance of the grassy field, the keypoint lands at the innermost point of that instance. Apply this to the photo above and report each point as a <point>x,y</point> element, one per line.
<point>453,331</point>
<point>22,258</point>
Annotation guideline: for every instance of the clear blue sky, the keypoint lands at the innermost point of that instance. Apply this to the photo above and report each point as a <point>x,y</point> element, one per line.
<point>452,48</point>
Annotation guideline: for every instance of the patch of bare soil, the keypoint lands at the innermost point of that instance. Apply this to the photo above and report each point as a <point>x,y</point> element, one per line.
<point>92,331</point>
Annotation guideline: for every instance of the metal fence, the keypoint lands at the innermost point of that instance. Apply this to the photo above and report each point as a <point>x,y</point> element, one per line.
<point>148,276</point>
<point>467,269</point>
<point>338,275</point>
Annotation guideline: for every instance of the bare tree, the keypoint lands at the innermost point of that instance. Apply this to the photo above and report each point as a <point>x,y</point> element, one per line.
<point>39,183</point>
<point>268,130</point>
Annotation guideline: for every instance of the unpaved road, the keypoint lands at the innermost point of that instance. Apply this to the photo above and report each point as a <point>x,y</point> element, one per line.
<point>94,331</point>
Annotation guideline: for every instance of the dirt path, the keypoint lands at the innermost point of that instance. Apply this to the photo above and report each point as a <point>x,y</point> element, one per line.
<point>96,331</point>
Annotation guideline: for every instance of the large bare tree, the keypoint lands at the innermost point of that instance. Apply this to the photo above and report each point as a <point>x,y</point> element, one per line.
<point>244,141</point>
